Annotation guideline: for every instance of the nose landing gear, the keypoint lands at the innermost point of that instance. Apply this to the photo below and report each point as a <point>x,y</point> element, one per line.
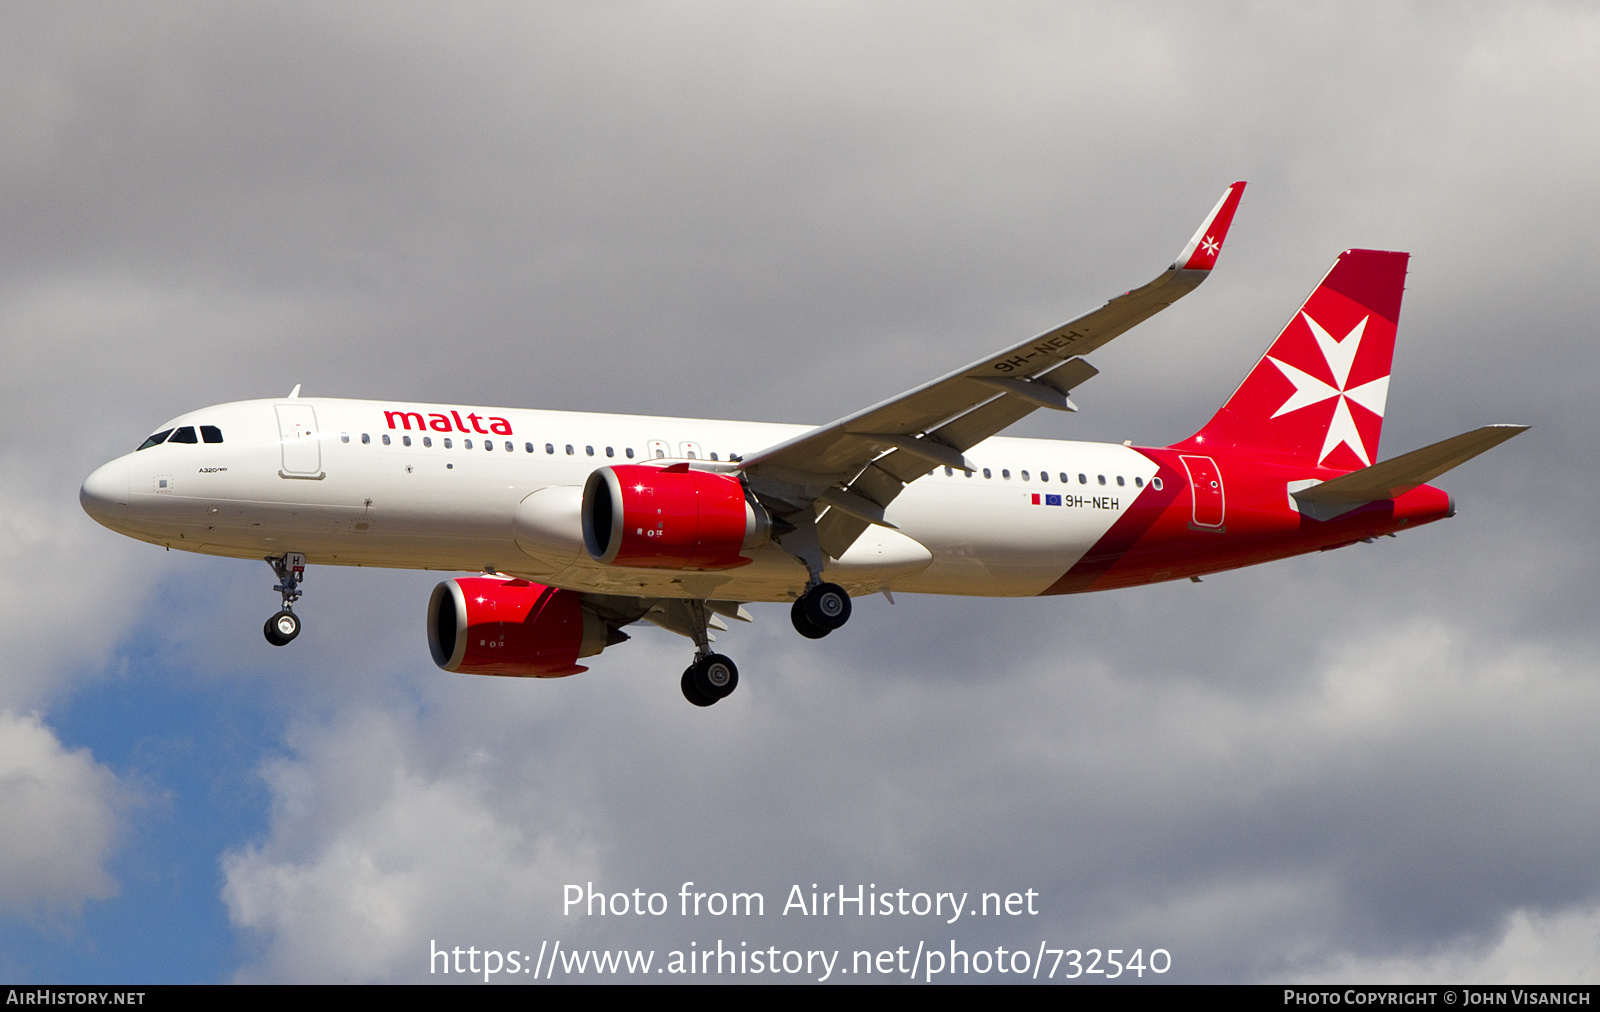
<point>285,625</point>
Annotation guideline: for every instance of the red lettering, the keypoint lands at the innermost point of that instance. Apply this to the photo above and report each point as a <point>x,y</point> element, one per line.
<point>440,423</point>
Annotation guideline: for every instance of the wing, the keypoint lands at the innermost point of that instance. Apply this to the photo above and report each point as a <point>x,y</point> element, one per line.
<point>672,614</point>
<point>857,465</point>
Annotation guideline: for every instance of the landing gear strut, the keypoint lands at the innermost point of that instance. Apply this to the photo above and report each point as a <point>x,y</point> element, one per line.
<point>712,676</point>
<point>291,571</point>
<point>820,610</point>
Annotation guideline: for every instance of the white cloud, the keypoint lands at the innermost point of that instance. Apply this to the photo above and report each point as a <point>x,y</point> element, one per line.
<point>373,855</point>
<point>67,594</point>
<point>1393,787</point>
<point>62,819</point>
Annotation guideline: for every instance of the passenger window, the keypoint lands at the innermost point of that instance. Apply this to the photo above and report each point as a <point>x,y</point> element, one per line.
<point>1138,483</point>
<point>1005,473</point>
<point>405,440</point>
<point>629,452</point>
<point>949,472</point>
<point>1064,479</point>
<point>713,456</point>
<point>528,447</point>
<point>427,440</point>
<point>549,448</point>
<point>986,473</point>
<point>1155,483</point>
<point>366,438</point>
<point>467,443</point>
<point>509,447</point>
<point>448,445</point>
<point>184,435</point>
<point>589,450</point>
<point>611,452</point>
<point>1120,482</point>
<point>488,444</point>
<point>1102,478</point>
<point>155,440</point>
<point>569,449</point>
<point>1024,476</point>
<point>385,439</point>
<point>344,437</point>
<point>1044,475</point>
<point>212,434</point>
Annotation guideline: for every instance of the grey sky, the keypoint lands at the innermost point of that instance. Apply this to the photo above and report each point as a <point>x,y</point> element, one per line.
<point>784,212</point>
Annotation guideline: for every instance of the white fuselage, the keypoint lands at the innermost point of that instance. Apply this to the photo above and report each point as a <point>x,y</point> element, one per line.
<point>354,483</point>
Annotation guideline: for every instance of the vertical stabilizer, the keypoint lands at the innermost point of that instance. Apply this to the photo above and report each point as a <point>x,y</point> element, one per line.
<point>1317,396</point>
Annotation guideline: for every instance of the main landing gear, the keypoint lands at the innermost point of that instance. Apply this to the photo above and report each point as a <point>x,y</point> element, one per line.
<point>820,610</point>
<point>823,608</point>
<point>712,676</point>
<point>291,571</point>
<point>709,679</point>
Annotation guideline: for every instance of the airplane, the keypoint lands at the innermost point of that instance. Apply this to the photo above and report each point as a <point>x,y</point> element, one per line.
<point>579,524</point>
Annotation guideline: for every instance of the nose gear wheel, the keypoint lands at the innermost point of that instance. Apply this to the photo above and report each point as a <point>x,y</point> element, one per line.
<point>281,628</point>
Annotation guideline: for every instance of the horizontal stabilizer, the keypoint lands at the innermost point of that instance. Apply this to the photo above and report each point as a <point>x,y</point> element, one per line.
<point>1396,477</point>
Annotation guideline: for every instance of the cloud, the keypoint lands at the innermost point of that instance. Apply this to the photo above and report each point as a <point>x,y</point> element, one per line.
<point>786,213</point>
<point>1533,946</point>
<point>369,854</point>
<point>67,599</point>
<point>63,820</point>
<point>1404,788</point>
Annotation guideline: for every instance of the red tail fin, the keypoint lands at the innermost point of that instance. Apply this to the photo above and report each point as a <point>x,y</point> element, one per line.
<point>1317,395</point>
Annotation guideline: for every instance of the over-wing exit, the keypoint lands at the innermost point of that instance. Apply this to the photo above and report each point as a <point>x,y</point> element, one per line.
<point>578,525</point>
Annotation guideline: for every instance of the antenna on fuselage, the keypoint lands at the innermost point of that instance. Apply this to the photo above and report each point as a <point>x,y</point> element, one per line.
<point>295,392</point>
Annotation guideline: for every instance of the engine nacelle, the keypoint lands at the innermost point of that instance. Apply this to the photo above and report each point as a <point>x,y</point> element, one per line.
<point>493,626</point>
<point>670,518</point>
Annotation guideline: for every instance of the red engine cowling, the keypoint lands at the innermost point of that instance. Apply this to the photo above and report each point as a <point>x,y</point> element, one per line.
<point>670,518</point>
<point>485,625</point>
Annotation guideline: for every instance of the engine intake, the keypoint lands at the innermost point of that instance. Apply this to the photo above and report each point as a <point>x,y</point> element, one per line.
<point>670,518</point>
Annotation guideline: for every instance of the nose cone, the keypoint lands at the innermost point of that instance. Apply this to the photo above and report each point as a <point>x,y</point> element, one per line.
<point>104,495</point>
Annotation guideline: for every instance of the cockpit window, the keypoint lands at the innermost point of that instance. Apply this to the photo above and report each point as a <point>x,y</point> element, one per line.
<point>184,435</point>
<point>160,437</point>
<point>212,434</point>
